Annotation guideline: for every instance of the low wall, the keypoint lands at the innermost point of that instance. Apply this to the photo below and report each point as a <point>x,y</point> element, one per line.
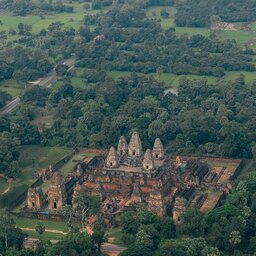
<point>63,161</point>
<point>40,215</point>
<point>22,197</point>
<point>238,170</point>
<point>93,151</point>
<point>221,200</point>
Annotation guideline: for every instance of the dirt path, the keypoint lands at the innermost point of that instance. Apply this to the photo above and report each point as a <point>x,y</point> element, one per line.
<point>109,249</point>
<point>5,191</point>
<point>47,230</point>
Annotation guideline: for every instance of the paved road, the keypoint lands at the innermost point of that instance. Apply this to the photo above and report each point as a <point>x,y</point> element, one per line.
<point>109,249</point>
<point>44,81</point>
<point>10,106</point>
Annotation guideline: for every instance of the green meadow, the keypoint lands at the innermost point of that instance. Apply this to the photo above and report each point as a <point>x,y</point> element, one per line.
<point>245,36</point>
<point>38,23</point>
<point>12,87</point>
<point>32,158</point>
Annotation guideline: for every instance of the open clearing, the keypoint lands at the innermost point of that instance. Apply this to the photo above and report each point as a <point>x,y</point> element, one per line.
<point>38,23</point>
<point>31,159</point>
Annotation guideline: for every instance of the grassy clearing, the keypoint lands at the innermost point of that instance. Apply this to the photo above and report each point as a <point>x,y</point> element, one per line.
<point>192,31</point>
<point>69,20</point>
<point>68,167</point>
<point>170,80</point>
<point>3,185</point>
<point>78,82</point>
<point>115,235</point>
<point>248,76</point>
<point>45,121</point>
<point>12,87</point>
<point>241,35</point>
<point>45,236</point>
<point>14,92</point>
<point>154,13</point>
<point>41,157</point>
<point>31,223</point>
<point>31,159</point>
<point>54,226</point>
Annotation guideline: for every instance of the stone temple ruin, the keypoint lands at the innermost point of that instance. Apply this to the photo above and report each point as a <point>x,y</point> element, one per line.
<point>55,198</point>
<point>127,176</point>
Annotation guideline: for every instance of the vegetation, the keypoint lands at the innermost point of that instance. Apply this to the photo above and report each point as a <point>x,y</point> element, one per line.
<point>226,230</point>
<point>197,13</point>
<point>30,158</point>
<point>128,53</point>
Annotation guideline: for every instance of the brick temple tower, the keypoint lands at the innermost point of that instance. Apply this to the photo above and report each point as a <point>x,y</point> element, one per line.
<point>35,198</point>
<point>57,196</point>
<point>148,162</point>
<point>158,149</point>
<point>112,159</point>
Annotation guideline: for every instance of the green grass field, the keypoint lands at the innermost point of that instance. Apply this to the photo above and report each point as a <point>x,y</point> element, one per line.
<point>172,80</point>
<point>74,19</point>
<point>31,159</point>
<point>241,35</point>
<point>45,236</point>
<point>12,87</point>
<point>154,13</point>
<point>3,185</point>
<point>31,223</point>
<point>115,236</point>
<point>49,225</point>
<point>68,167</point>
<point>78,82</point>
<point>41,157</point>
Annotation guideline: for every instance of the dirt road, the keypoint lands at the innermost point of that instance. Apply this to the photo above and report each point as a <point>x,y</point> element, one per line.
<point>109,249</point>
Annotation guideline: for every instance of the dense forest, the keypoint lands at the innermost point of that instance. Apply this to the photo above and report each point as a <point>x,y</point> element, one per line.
<point>26,7</point>
<point>196,118</point>
<point>226,230</point>
<point>197,13</point>
<point>201,119</point>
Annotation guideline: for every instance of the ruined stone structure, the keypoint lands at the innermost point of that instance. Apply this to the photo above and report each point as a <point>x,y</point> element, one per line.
<point>75,195</point>
<point>35,198</point>
<point>127,176</point>
<point>179,208</point>
<point>112,159</point>
<point>158,149</point>
<point>56,193</point>
<point>156,201</point>
<point>148,161</point>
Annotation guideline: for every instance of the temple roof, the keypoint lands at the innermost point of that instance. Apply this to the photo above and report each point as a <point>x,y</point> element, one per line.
<point>56,179</point>
<point>112,159</point>
<point>158,149</point>
<point>148,162</point>
<point>135,144</point>
<point>122,146</point>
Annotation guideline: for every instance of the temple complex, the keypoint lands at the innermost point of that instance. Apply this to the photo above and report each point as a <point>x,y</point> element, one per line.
<point>167,184</point>
<point>128,175</point>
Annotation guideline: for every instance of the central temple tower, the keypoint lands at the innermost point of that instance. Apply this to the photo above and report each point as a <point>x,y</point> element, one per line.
<point>135,151</point>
